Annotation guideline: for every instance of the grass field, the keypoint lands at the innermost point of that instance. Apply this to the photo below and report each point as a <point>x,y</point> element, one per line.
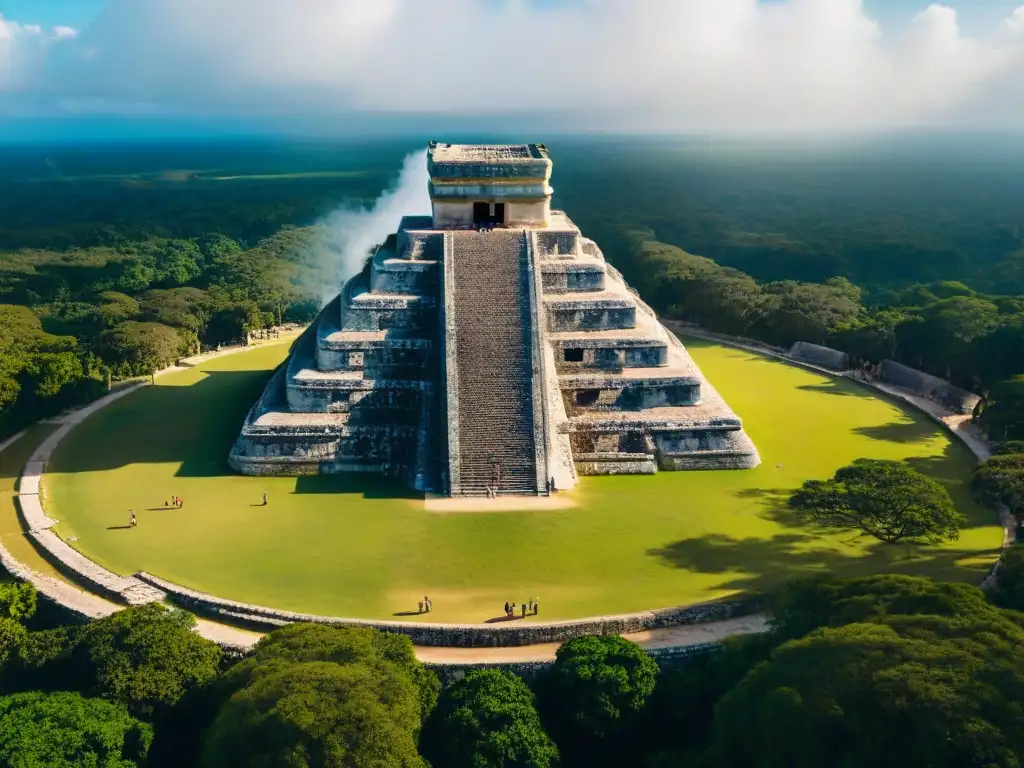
<point>366,548</point>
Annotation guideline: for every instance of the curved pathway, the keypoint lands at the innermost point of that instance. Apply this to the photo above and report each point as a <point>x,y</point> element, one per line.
<point>129,589</point>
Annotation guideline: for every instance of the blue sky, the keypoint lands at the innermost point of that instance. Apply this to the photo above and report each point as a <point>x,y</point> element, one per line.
<point>637,65</point>
<point>51,13</point>
<point>78,13</point>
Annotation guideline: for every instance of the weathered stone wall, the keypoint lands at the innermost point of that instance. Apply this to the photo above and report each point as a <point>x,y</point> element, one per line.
<point>571,318</point>
<point>594,396</point>
<point>608,464</point>
<point>572,277</point>
<point>553,244</point>
<point>926,385</point>
<point>605,355</point>
<point>393,275</point>
<point>462,635</point>
<point>823,356</point>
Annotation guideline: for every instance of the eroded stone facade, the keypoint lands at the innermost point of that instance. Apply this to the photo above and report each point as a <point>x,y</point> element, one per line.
<point>489,348</point>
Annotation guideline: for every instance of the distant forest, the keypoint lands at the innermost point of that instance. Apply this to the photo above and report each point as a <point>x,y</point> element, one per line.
<point>116,259</point>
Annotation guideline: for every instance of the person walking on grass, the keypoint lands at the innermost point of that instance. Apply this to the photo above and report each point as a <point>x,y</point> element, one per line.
<point>132,519</point>
<point>264,497</point>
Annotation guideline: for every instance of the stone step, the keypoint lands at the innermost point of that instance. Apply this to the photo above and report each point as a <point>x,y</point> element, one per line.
<point>493,362</point>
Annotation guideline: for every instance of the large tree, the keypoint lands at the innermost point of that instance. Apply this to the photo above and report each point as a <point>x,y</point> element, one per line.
<point>64,730</point>
<point>297,643</point>
<point>889,500</point>
<point>139,349</point>
<point>318,714</point>
<point>489,718</point>
<point>923,690</point>
<point>596,689</point>
<point>146,657</point>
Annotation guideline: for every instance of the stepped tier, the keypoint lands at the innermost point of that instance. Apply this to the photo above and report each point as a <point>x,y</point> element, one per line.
<point>466,359</point>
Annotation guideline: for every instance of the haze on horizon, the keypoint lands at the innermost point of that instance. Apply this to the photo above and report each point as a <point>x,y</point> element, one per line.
<point>609,65</point>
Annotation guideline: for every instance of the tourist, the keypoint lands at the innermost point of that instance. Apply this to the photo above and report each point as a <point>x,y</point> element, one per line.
<point>524,610</point>
<point>174,501</point>
<point>420,606</point>
<point>181,502</point>
<point>264,497</point>
<point>535,603</point>
<point>132,519</point>
<point>426,603</point>
<point>506,609</point>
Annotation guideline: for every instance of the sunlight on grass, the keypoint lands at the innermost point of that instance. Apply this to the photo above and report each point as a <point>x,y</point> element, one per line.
<point>362,547</point>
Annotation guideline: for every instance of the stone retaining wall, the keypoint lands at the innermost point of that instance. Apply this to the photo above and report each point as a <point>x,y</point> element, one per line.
<point>926,385</point>
<point>819,355</point>
<point>458,635</point>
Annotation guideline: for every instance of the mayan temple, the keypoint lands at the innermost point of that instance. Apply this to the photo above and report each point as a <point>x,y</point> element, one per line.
<point>487,349</point>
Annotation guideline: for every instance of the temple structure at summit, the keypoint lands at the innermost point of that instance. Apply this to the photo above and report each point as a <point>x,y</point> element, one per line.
<point>489,349</point>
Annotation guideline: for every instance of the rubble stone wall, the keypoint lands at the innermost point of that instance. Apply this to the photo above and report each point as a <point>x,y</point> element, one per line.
<point>926,385</point>
<point>462,635</point>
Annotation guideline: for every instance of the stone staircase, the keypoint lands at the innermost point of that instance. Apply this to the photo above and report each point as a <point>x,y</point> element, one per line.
<point>493,363</point>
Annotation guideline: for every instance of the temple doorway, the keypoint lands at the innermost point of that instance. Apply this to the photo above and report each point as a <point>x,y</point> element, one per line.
<point>488,214</point>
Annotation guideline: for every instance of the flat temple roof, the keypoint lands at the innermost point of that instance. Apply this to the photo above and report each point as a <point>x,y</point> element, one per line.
<point>490,154</point>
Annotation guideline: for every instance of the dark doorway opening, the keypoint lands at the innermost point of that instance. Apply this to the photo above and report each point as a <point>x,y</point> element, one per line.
<point>587,397</point>
<point>573,355</point>
<point>488,214</point>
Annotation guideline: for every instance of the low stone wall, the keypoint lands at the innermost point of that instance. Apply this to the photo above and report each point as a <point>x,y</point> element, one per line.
<point>513,633</point>
<point>926,385</point>
<point>819,355</point>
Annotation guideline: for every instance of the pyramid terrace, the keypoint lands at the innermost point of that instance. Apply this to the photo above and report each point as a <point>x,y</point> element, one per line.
<point>489,349</point>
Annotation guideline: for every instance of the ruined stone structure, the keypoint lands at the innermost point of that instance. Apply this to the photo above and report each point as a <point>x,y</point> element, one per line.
<point>489,348</point>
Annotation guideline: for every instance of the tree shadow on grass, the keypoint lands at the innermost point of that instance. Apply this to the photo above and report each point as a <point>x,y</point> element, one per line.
<point>773,504</point>
<point>831,387</point>
<point>905,431</point>
<point>763,564</point>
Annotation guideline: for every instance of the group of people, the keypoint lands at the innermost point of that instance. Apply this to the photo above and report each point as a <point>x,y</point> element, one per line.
<point>510,608</point>
<point>425,605</point>
<point>176,501</point>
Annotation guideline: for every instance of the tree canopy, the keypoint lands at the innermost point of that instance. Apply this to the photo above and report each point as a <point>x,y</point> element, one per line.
<point>317,714</point>
<point>64,730</point>
<point>924,690</point>
<point>597,686</point>
<point>146,657</point>
<point>489,718</point>
<point>139,349</point>
<point>889,500</point>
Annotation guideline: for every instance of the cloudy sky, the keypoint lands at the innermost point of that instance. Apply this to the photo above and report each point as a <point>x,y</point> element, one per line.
<point>636,65</point>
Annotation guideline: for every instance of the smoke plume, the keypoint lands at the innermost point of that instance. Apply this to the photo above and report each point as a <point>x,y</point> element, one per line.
<point>349,233</point>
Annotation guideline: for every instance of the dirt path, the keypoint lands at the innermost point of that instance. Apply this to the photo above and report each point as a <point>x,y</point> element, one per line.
<point>670,637</point>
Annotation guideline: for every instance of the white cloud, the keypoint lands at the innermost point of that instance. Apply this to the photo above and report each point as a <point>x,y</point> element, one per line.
<point>64,33</point>
<point>676,64</point>
<point>1016,21</point>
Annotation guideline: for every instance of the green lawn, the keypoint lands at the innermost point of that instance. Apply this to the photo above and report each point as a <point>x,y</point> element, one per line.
<point>351,547</point>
